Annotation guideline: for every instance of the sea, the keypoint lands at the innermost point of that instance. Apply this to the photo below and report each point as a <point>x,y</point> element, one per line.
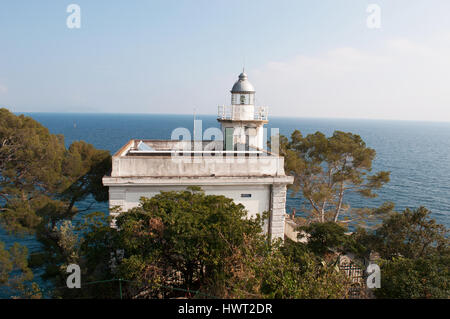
<point>416,153</point>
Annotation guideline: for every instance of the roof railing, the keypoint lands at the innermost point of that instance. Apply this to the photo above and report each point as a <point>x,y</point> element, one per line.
<point>228,112</point>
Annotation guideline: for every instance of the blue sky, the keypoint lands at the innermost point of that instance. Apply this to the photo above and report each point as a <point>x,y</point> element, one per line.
<point>305,58</point>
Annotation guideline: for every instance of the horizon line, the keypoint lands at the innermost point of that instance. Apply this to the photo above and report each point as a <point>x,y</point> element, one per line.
<point>210,114</point>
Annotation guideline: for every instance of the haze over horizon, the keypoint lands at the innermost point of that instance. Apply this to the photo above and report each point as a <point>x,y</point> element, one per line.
<point>305,59</point>
<point>199,115</point>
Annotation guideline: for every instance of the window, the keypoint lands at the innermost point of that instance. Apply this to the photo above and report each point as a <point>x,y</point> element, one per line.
<point>246,195</point>
<point>229,143</point>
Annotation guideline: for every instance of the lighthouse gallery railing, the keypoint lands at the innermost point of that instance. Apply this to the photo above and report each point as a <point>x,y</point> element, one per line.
<point>227,112</point>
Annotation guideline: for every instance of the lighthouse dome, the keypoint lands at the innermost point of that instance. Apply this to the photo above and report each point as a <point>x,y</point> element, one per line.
<point>243,85</point>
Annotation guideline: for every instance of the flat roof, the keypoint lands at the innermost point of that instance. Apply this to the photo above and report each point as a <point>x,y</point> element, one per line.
<point>142,147</point>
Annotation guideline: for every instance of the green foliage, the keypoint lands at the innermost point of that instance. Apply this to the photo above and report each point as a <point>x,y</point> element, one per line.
<point>325,169</point>
<point>30,168</point>
<point>324,237</point>
<point>415,255</point>
<point>15,272</point>
<point>181,237</point>
<point>84,167</point>
<point>190,240</point>
<point>40,180</point>
<point>90,244</point>
<point>40,183</point>
<point>415,278</point>
<point>411,234</point>
<point>30,157</point>
<point>414,251</point>
<point>274,271</point>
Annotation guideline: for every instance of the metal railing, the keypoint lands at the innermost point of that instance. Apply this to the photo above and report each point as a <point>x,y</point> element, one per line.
<point>228,112</point>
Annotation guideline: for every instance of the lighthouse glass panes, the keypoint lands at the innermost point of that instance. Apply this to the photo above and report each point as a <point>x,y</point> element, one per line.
<point>243,98</point>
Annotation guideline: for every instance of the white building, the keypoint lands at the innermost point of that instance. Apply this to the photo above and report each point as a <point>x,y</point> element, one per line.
<point>236,166</point>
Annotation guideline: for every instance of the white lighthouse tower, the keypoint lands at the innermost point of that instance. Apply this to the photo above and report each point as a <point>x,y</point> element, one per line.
<point>242,122</point>
<point>143,168</point>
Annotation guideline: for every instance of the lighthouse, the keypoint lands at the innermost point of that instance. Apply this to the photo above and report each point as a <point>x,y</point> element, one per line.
<point>242,122</point>
<point>238,167</point>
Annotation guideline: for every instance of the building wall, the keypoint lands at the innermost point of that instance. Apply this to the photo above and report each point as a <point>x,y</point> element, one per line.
<point>197,166</point>
<point>256,138</point>
<point>128,197</point>
<point>278,203</point>
<point>243,112</point>
<point>291,231</point>
<point>138,175</point>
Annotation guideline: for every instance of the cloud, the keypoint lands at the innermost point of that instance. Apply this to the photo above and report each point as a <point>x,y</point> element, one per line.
<point>401,80</point>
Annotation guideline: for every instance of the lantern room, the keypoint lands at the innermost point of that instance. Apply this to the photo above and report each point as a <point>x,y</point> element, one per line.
<point>243,92</point>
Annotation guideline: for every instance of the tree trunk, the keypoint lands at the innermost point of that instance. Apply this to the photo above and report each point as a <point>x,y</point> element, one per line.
<point>339,206</point>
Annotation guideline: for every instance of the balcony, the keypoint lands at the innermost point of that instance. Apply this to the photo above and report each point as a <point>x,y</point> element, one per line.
<point>243,112</point>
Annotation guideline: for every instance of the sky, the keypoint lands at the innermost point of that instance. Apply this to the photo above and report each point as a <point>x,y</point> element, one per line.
<point>315,58</point>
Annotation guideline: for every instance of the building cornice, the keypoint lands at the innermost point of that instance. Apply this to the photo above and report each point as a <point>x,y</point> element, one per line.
<point>213,180</point>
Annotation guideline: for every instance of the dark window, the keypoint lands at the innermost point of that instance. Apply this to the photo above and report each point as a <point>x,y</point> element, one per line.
<point>246,195</point>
